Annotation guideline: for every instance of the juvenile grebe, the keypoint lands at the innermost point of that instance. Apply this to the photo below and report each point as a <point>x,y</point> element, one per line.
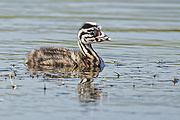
<point>89,33</point>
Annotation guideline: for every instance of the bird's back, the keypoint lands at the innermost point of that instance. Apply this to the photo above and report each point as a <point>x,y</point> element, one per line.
<point>53,56</point>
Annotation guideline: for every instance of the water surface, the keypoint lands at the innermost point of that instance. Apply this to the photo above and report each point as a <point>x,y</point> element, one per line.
<point>144,51</point>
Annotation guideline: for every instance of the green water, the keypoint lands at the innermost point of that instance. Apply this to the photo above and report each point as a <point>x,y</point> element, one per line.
<point>144,51</point>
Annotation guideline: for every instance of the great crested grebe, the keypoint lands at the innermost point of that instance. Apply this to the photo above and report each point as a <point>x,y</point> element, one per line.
<point>89,33</point>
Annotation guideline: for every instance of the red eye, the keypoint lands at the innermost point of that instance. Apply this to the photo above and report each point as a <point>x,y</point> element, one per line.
<point>96,33</point>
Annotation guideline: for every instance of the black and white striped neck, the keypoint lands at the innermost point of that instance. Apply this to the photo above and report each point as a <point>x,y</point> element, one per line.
<point>89,52</point>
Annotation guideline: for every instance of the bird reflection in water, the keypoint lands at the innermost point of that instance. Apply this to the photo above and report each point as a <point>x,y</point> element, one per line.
<point>87,91</point>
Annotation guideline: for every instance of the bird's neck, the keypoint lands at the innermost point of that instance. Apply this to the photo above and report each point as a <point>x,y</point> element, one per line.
<point>89,52</point>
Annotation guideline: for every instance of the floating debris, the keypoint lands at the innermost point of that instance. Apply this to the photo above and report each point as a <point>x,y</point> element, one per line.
<point>45,86</point>
<point>104,81</point>
<point>63,83</point>
<point>104,78</point>
<point>138,68</point>
<point>37,75</point>
<point>134,85</point>
<point>154,75</point>
<point>31,76</point>
<point>118,75</point>
<point>161,62</point>
<point>175,81</point>
<point>10,76</point>
<point>15,73</point>
<point>13,85</point>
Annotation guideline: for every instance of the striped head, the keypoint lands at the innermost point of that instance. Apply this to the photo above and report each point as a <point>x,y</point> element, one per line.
<point>90,33</point>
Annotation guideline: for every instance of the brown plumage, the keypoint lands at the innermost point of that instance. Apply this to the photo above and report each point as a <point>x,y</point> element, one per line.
<point>61,57</point>
<point>57,57</point>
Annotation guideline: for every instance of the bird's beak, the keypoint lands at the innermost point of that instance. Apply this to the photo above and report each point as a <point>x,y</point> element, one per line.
<point>103,37</point>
